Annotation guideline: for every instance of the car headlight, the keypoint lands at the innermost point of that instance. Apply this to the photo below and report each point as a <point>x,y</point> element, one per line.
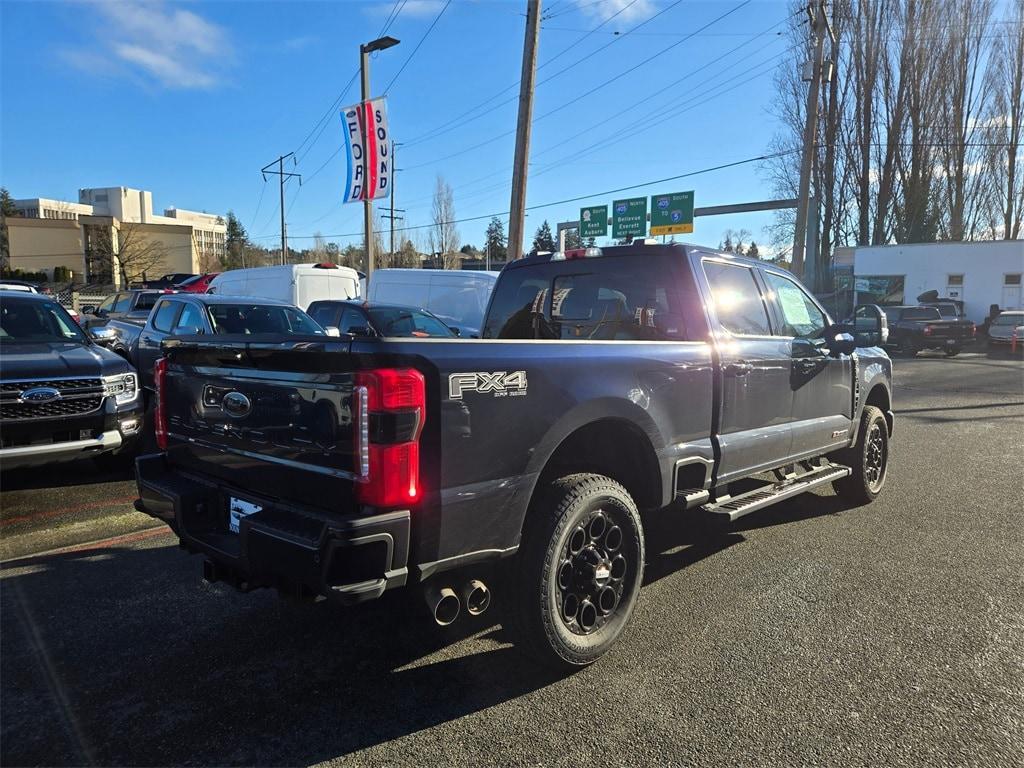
<point>124,387</point>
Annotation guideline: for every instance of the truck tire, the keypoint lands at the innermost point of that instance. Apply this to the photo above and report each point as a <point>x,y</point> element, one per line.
<point>952,351</point>
<point>577,575</point>
<point>868,458</point>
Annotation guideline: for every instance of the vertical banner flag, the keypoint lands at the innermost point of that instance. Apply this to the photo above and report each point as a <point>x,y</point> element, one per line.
<point>373,144</point>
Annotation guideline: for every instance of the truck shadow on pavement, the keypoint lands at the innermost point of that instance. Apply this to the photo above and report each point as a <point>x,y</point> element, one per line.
<point>131,660</point>
<point>83,472</point>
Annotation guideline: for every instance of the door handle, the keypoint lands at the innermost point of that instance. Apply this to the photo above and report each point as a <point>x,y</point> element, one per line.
<point>147,339</point>
<point>739,368</point>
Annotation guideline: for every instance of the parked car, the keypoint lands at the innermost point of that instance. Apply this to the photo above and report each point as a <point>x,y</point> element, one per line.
<point>365,319</point>
<point>188,314</point>
<point>642,376</point>
<point>458,297</point>
<point>62,397</point>
<point>169,280</point>
<point>1006,328</point>
<point>18,285</point>
<point>198,283</point>
<point>912,329</point>
<point>296,284</point>
<point>131,306</point>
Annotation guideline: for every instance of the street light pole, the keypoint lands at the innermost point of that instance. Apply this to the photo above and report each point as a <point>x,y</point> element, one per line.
<point>364,70</point>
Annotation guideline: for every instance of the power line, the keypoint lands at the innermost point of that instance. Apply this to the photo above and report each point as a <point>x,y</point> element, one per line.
<point>259,202</point>
<point>425,35</point>
<point>578,198</point>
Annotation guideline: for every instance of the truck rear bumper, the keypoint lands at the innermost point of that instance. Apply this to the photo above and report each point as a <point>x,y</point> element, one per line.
<point>348,559</point>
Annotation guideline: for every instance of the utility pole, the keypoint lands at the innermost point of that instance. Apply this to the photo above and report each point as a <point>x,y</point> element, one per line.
<point>391,216</point>
<point>818,17</point>
<point>521,163</point>
<point>282,178</point>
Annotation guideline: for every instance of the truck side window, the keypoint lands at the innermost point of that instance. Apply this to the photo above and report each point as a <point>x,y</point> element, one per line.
<point>163,318</point>
<point>517,309</point>
<point>325,315</point>
<point>800,315</point>
<point>124,300</point>
<point>108,303</point>
<point>737,300</point>
<point>190,321</point>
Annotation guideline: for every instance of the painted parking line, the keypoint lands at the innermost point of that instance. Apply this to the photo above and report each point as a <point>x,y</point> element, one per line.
<point>68,510</point>
<point>111,541</point>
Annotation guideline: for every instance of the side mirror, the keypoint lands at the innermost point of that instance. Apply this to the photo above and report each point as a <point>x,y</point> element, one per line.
<point>455,330</point>
<point>360,330</point>
<point>840,341</point>
<point>332,330</point>
<point>88,309</point>
<point>103,336</point>
<point>870,326</point>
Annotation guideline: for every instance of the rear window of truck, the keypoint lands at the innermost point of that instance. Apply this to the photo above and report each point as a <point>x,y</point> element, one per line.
<point>600,299</point>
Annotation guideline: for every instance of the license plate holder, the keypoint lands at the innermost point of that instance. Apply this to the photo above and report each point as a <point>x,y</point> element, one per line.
<point>239,508</point>
<point>950,342</point>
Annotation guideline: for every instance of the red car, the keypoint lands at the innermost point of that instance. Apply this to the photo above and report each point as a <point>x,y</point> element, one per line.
<point>197,284</point>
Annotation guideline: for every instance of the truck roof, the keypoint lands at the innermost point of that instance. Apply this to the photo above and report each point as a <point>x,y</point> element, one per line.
<point>638,248</point>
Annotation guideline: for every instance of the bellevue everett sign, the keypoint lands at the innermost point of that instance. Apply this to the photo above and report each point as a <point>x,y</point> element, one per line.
<point>669,215</point>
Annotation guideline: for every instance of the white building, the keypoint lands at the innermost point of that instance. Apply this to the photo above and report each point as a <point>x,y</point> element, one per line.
<point>198,238</point>
<point>977,273</point>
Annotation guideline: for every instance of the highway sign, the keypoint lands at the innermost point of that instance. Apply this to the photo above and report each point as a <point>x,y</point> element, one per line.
<point>594,221</point>
<point>629,217</point>
<point>672,214</point>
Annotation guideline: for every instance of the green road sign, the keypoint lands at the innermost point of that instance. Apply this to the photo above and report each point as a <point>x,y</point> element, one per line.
<point>594,221</point>
<point>672,214</point>
<point>629,217</point>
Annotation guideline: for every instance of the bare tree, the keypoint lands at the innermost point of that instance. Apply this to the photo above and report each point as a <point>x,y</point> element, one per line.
<point>319,248</point>
<point>1004,125</point>
<point>131,252</point>
<point>444,236</point>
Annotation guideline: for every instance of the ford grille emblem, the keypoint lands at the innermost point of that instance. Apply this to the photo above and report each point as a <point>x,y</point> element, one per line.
<point>40,395</point>
<point>236,404</point>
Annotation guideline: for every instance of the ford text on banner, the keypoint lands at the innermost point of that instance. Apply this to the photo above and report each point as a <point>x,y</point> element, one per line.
<point>374,144</point>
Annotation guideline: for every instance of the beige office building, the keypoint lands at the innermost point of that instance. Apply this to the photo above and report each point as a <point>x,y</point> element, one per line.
<point>86,237</point>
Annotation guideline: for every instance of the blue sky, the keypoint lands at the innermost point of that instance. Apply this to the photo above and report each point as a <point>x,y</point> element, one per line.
<point>189,100</point>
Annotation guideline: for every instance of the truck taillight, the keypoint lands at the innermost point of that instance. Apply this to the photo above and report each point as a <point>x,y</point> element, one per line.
<point>390,408</point>
<point>160,412</point>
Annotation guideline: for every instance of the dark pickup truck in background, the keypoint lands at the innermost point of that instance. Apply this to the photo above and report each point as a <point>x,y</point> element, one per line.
<point>130,306</point>
<point>190,314</point>
<point>912,329</point>
<point>641,377</point>
<point>62,397</point>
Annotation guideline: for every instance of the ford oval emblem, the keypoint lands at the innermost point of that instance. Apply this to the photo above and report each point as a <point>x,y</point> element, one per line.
<point>40,395</point>
<point>236,404</point>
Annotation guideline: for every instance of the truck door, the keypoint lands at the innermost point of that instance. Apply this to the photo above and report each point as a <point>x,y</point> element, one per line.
<point>157,327</point>
<point>755,404</point>
<point>820,379</point>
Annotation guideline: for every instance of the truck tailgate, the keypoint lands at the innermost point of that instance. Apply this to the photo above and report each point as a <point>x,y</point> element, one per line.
<point>268,418</point>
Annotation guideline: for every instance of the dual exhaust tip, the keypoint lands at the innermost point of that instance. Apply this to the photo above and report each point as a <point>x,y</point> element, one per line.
<point>446,604</point>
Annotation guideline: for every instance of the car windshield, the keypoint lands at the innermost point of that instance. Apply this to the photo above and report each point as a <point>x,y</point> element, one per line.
<point>30,321</point>
<point>1009,320</point>
<point>261,318</point>
<point>396,321</point>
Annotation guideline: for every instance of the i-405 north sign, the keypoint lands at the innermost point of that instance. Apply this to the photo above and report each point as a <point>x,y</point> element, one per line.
<point>629,217</point>
<point>672,214</point>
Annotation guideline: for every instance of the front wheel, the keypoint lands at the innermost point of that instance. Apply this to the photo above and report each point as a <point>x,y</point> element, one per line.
<point>577,576</point>
<point>868,459</point>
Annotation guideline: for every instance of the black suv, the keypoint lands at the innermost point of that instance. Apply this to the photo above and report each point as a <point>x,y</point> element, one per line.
<point>62,396</point>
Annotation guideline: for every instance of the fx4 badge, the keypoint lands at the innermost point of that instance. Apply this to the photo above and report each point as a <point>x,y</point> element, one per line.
<point>498,383</point>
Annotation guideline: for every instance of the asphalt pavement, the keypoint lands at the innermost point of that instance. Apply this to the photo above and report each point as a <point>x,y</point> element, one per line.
<point>809,633</point>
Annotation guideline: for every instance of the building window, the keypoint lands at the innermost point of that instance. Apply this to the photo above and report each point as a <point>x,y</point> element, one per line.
<point>1012,279</point>
<point>956,280</point>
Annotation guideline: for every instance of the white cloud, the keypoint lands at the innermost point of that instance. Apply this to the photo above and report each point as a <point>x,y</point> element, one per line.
<point>630,11</point>
<point>170,46</point>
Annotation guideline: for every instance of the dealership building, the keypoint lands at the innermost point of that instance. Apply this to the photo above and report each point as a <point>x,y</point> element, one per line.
<point>979,274</point>
<point>81,236</point>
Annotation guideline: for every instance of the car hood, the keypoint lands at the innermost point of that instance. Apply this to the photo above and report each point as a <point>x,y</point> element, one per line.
<point>59,359</point>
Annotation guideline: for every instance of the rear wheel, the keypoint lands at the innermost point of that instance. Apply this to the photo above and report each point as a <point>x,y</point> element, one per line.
<point>577,576</point>
<point>868,459</point>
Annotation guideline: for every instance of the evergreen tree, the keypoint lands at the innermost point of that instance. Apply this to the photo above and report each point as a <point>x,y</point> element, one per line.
<point>752,251</point>
<point>236,243</point>
<point>6,209</point>
<point>496,241</point>
<point>572,239</point>
<point>543,240</point>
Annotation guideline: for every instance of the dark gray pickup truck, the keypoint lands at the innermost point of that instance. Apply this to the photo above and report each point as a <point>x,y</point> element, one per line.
<point>632,378</point>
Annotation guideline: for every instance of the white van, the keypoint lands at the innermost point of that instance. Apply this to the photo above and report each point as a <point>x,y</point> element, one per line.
<point>298,284</point>
<point>458,297</point>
